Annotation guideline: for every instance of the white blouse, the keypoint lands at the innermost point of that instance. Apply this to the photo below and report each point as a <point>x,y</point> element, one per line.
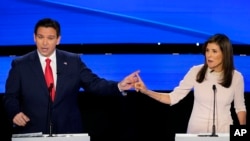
<point>201,119</point>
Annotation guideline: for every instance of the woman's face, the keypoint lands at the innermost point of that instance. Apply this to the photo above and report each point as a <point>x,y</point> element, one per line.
<point>214,57</point>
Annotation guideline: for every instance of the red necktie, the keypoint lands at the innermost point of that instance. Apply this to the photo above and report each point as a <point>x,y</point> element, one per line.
<point>49,79</point>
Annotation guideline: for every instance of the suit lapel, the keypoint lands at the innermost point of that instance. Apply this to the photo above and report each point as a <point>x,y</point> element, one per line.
<point>61,69</point>
<point>38,71</point>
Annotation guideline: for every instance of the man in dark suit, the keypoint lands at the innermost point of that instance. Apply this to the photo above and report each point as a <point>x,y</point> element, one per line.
<point>27,100</point>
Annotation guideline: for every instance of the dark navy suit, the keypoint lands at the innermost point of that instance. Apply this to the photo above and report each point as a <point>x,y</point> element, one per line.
<point>26,91</point>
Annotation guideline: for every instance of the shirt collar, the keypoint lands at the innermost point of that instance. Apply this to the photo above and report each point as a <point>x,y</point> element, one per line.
<point>52,56</point>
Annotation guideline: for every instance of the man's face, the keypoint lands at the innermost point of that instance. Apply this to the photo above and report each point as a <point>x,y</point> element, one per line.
<point>46,40</point>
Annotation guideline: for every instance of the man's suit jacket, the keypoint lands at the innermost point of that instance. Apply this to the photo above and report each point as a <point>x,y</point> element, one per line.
<point>26,92</point>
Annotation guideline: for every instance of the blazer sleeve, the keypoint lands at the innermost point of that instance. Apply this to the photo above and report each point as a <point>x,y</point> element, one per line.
<point>92,83</point>
<point>12,88</point>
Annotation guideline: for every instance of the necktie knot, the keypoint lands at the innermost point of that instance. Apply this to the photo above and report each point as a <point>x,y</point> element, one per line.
<point>48,61</point>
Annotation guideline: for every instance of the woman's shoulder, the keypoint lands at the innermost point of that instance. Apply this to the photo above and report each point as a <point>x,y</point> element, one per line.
<point>237,74</point>
<point>196,67</point>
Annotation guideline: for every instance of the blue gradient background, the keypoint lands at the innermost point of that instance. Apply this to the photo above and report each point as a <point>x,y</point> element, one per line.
<point>130,21</point>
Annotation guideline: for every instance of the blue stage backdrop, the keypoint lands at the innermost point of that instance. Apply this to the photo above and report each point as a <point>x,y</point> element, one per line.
<point>159,71</point>
<point>127,21</point>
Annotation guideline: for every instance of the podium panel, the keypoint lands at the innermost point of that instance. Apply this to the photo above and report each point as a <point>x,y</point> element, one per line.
<point>60,137</point>
<point>196,137</point>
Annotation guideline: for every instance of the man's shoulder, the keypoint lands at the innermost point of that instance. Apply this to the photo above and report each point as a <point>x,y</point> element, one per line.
<point>26,56</point>
<point>66,53</point>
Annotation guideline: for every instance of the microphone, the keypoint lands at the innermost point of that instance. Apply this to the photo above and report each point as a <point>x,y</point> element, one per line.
<point>50,110</point>
<point>213,127</point>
